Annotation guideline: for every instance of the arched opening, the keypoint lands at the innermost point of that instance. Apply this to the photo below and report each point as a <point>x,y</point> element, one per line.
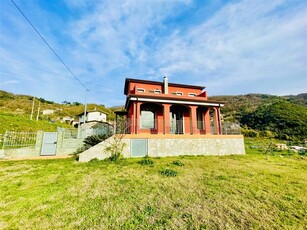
<point>200,113</point>
<point>180,118</point>
<point>149,117</point>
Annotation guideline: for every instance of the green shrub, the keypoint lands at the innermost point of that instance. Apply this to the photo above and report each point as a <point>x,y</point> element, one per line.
<point>178,163</point>
<point>95,139</point>
<point>266,133</point>
<point>91,141</point>
<point>168,172</point>
<point>146,161</point>
<point>249,132</point>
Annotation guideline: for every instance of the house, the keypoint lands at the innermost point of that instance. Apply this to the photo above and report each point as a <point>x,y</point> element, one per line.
<point>168,108</point>
<point>48,111</point>
<point>94,122</point>
<point>67,120</point>
<point>92,116</point>
<point>168,119</point>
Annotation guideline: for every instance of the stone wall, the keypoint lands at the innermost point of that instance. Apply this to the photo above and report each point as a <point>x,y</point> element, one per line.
<point>174,145</point>
<point>195,146</point>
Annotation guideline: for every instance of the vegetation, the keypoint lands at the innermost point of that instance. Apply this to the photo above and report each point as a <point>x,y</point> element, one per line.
<point>22,104</point>
<point>115,148</point>
<point>267,115</point>
<point>146,161</point>
<point>19,122</point>
<point>230,192</point>
<point>283,119</point>
<point>93,140</point>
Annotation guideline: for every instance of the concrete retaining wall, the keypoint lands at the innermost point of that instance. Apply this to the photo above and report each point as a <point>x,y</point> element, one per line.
<point>97,151</point>
<point>174,145</point>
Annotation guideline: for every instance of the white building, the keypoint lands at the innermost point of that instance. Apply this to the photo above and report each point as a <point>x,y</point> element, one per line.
<point>48,111</point>
<point>92,116</point>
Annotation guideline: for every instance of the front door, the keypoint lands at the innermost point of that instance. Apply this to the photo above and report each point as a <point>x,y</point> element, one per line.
<point>177,125</point>
<point>49,144</point>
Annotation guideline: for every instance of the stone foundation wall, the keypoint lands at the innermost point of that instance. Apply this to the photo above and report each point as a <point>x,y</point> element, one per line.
<point>174,145</point>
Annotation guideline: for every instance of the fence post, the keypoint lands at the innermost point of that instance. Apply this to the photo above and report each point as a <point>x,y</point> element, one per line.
<point>4,139</point>
<point>39,140</point>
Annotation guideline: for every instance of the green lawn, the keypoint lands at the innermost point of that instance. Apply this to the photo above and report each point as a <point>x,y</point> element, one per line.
<point>230,192</point>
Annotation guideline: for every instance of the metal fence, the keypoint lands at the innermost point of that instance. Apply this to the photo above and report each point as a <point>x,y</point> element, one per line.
<point>12,139</point>
<point>175,126</point>
<point>70,134</point>
<point>84,132</point>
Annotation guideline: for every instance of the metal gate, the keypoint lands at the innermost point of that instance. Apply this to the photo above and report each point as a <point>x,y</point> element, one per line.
<point>49,144</point>
<point>139,147</point>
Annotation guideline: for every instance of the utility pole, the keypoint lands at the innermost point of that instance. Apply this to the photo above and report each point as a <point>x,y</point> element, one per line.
<point>39,106</point>
<point>32,108</point>
<point>85,106</point>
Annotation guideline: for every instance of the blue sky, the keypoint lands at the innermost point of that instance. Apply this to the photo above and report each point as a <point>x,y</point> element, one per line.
<point>231,47</point>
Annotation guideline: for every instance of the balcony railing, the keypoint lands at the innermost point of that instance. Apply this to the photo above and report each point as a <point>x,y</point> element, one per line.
<point>127,126</point>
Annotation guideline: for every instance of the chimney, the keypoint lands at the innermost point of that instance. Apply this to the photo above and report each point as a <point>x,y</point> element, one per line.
<point>165,85</point>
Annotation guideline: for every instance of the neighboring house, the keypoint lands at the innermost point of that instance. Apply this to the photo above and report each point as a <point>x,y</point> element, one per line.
<point>167,119</point>
<point>92,116</point>
<point>168,108</point>
<point>93,121</point>
<point>48,111</point>
<point>67,120</point>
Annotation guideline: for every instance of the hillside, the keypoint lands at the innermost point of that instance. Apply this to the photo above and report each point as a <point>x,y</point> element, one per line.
<point>236,106</point>
<point>283,117</point>
<point>22,104</point>
<point>15,113</point>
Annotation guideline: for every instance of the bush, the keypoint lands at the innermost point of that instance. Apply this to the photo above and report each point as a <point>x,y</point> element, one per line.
<point>146,161</point>
<point>266,133</point>
<point>178,163</point>
<point>168,172</point>
<point>95,139</point>
<point>249,132</point>
<point>91,141</point>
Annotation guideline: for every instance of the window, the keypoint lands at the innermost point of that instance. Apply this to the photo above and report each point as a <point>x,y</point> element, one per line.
<point>140,90</point>
<point>147,120</point>
<point>178,93</point>
<point>192,94</point>
<point>157,91</point>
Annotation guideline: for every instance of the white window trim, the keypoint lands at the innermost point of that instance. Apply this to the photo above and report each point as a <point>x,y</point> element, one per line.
<point>192,94</point>
<point>140,90</point>
<point>158,91</point>
<point>178,93</point>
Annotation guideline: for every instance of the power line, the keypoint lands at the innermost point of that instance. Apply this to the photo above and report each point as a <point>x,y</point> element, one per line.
<point>50,46</point>
<point>30,67</point>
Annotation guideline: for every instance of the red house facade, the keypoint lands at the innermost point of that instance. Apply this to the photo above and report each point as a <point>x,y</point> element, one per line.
<point>168,108</point>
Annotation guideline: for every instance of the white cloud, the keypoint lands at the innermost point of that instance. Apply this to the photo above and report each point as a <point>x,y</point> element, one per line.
<point>245,46</point>
<point>245,42</point>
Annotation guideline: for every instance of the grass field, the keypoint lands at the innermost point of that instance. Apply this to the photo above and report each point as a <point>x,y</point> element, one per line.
<point>230,192</point>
